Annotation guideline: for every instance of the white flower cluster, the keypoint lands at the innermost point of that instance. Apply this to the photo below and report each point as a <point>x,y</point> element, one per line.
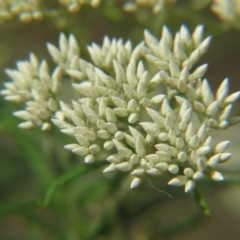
<point>157,5</point>
<point>25,9</point>
<point>75,5</point>
<point>34,85</point>
<point>28,10</point>
<point>123,114</point>
<point>228,11</point>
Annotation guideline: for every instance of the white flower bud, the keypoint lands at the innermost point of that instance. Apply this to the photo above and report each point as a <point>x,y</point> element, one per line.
<point>101,124</point>
<point>212,108</point>
<point>153,158</point>
<point>201,164</point>
<point>198,176</point>
<point>180,143</point>
<point>81,151</point>
<point>119,102</point>
<point>225,113</point>
<point>163,156</point>
<point>119,135</point>
<point>162,166</point>
<point>163,136</point>
<point>110,115</point>
<point>138,172</point>
<point>214,160</point>
<point>199,107</point>
<point>94,149</point>
<point>178,181</point>
<point>172,151</point>
<point>108,145</point>
<point>206,93</point>
<point>222,91</point>
<point>153,172</point>
<point>172,136</point>
<point>130,93</point>
<point>217,176</point>
<point>124,152</point>
<point>135,183</point>
<point>133,118</point>
<point>212,123</point>
<point>198,73</point>
<point>134,159</point>
<point>122,112</point>
<point>150,128</point>
<point>89,159</point>
<point>46,127</point>
<point>221,147</point>
<point>194,142</point>
<point>204,150</point>
<point>111,127</point>
<point>156,117</point>
<point>190,132</point>
<point>103,134</point>
<point>232,98</point>
<point>110,169</point>
<point>225,157</point>
<point>140,146</point>
<point>150,140</point>
<point>188,172</point>
<point>173,168</point>
<point>186,115</point>
<point>115,158</point>
<point>168,123</point>
<point>124,166</point>
<point>158,98</point>
<point>72,146</point>
<point>182,156</point>
<point>90,135</point>
<point>189,186</point>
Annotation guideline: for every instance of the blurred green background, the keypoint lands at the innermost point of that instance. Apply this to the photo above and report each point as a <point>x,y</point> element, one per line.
<point>48,193</point>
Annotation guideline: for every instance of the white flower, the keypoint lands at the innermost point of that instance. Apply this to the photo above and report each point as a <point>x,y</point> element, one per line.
<point>157,5</point>
<point>147,122</point>
<point>27,10</point>
<point>228,11</point>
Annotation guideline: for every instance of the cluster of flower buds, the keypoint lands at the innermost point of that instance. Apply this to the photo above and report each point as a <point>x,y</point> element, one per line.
<point>75,5</point>
<point>27,10</point>
<point>146,110</point>
<point>34,85</point>
<point>156,5</point>
<point>227,11</point>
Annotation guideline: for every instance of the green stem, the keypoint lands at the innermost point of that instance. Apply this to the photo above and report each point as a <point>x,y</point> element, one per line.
<point>201,202</point>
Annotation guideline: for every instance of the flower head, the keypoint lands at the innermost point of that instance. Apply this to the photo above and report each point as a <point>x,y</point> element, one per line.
<point>146,110</point>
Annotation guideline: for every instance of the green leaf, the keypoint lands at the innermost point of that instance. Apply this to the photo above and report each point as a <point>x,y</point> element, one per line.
<point>62,180</point>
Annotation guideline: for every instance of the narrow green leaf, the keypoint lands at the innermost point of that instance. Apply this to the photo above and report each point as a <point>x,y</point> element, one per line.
<point>62,180</point>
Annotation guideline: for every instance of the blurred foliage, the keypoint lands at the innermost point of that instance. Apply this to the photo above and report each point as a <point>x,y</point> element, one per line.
<point>48,193</point>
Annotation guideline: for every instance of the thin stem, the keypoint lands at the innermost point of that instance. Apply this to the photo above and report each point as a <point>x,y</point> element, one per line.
<point>201,202</point>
